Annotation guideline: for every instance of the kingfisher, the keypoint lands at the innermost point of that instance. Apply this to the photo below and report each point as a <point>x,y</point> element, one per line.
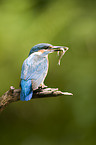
<point>35,69</point>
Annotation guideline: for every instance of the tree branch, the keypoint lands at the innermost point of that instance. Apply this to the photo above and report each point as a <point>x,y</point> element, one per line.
<point>13,95</point>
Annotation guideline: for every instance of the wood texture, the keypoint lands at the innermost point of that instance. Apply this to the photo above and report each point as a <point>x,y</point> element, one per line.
<point>13,95</point>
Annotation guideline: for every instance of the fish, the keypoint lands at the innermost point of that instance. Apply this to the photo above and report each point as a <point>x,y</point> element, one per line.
<point>61,52</point>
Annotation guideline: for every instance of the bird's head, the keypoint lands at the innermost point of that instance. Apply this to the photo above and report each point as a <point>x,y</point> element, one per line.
<point>46,48</point>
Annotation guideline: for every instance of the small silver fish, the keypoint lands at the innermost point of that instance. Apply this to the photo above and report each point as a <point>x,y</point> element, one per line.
<point>61,53</point>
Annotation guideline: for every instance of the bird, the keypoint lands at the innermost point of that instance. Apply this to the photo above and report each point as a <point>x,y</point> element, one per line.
<point>35,69</point>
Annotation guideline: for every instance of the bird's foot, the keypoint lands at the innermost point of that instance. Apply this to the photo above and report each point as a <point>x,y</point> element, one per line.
<point>42,86</point>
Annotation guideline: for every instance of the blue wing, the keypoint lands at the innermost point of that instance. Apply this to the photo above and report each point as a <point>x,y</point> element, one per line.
<point>26,90</point>
<point>35,68</point>
<point>34,71</point>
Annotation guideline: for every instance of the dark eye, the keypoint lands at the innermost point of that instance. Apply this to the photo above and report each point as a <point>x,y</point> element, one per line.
<point>46,47</point>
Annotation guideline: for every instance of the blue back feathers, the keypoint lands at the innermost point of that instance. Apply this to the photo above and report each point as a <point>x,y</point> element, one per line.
<point>26,90</point>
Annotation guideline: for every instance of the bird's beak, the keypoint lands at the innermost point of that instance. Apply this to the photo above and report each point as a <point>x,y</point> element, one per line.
<point>59,48</point>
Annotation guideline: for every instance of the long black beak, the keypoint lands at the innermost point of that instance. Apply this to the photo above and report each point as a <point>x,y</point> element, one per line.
<point>59,48</point>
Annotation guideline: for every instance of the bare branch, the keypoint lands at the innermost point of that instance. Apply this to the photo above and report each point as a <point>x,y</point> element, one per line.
<point>13,95</point>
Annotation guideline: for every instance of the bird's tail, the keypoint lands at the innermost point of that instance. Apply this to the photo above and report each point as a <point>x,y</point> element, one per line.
<point>26,90</point>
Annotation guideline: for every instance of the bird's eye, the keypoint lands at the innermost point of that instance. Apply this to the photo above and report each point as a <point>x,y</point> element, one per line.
<point>47,47</point>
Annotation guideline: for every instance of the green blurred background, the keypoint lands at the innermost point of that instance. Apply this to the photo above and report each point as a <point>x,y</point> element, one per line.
<point>65,120</point>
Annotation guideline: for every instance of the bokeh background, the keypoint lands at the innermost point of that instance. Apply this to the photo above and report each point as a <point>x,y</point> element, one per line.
<point>65,120</point>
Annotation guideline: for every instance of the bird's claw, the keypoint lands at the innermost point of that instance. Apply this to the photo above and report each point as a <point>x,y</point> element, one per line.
<point>42,86</point>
